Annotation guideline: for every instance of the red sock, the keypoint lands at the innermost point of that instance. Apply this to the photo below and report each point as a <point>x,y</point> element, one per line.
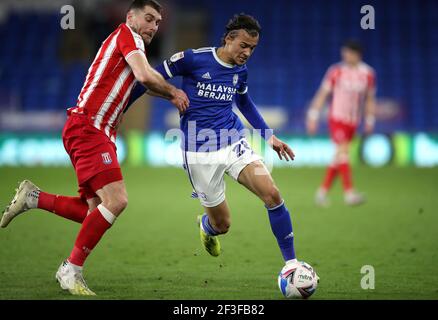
<point>93,228</point>
<point>72,208</point>
<point>345,171</point>
<point>332,172</point>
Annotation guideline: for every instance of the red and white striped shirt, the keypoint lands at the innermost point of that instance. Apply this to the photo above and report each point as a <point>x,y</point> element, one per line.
<point>349,87</point>
<point>110,80</point>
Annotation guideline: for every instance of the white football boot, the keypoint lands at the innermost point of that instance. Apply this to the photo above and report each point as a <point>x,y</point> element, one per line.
<point>321,198</point>
<point>70,278</point>
<point>353,198</point>
<point>291,263</point>
<point>26,197</point>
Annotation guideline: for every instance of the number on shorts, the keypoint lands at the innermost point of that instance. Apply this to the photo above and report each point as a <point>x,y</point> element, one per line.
<point>238,148</point>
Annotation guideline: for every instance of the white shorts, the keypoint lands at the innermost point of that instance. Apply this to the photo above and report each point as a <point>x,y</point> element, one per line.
<point>206,170</point>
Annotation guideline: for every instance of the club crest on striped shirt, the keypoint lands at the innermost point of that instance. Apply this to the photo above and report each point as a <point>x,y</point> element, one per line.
<point>106,157</point>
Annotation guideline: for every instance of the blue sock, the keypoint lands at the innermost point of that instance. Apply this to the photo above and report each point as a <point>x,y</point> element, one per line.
<point>281,226</point>
<point>207,226</point>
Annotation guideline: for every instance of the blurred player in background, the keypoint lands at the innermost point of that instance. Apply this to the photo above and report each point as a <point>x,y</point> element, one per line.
<point>350,84</point>
<point>213,78</point>
<point>89,137</point>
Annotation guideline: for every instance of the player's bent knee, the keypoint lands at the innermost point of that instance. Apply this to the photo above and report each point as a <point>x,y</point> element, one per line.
<point>122,203</point>
<point>272,197</point>
<point>116,204</point>
<point>93,203</point>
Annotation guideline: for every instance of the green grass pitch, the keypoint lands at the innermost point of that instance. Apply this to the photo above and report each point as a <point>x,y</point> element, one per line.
<point>154,252</point>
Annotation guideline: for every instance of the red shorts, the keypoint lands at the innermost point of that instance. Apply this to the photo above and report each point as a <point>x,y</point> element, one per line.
<point>92,154</point>
<point>341,132</point>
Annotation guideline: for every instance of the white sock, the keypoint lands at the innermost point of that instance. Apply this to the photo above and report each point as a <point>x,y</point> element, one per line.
<point>73,266</point>
<point>108,215</point>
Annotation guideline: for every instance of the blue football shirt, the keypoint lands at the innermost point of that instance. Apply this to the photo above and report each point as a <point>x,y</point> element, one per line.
<point>211,84</point>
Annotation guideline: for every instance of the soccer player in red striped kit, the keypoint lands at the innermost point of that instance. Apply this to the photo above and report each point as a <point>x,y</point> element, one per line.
<point>350,84</point>
<point>89,137</point>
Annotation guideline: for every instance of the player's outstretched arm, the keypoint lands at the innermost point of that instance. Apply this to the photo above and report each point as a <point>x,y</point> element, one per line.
<point>249,110</point>
<point>282,149</point>
<point>137,92</point>
<point>153,80</point>
<point>158,95</point>
<point>155,94</point>
<point>315,110</point>
<point>370,111</point>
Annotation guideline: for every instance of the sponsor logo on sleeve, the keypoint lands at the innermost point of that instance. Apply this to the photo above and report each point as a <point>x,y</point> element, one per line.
<point>177,56</point>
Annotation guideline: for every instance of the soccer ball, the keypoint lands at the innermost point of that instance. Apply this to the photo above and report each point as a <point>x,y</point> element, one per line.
<point>298,280</point>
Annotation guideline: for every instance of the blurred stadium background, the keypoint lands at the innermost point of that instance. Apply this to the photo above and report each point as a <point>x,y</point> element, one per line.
<point>42,69</point>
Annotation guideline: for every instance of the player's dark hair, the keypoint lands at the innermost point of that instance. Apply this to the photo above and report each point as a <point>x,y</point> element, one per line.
<point>353,45</point>
<point>239,22</point>
<point>140,4</point>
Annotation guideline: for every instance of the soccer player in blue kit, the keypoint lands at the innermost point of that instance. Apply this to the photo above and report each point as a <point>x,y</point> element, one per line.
<point>213,78</point>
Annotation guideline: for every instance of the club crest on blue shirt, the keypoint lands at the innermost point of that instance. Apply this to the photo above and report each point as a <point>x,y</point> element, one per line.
<point>235,79</point>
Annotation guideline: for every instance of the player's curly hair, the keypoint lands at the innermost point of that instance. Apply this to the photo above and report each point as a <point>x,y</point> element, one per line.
<point>242,21</point>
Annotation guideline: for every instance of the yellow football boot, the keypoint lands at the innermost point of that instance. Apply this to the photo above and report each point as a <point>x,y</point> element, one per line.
<point>210,243</point>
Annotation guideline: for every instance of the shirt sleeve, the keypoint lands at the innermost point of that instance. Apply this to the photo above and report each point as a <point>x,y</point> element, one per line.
<point>243,84</point>
<point>329,79</point>
<point>371,79</point>
<point>179,64</point>
<point>129,42</point>
<point>249,110</point>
